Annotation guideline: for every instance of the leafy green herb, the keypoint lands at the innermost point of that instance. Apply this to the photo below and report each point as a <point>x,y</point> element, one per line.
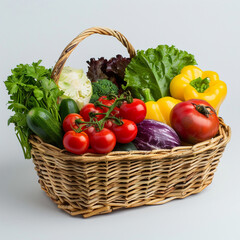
<point>150,72</point>
<point>200,84</point>
<point>30,86</point>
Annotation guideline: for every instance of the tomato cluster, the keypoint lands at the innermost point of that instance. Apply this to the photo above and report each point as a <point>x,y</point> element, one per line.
<point>119,125</point>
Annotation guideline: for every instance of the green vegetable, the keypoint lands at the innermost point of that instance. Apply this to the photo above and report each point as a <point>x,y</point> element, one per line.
<point>67,106</point>
<point>125,147</point>
<point>150,72</point>
<point>30,86</point>
<point>75,85</point>
<point>102,87</point>
<point>200,84</point>
<point>44,125</point>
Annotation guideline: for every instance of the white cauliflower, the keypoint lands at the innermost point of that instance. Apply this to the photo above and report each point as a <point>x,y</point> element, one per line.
<point>75,85</point>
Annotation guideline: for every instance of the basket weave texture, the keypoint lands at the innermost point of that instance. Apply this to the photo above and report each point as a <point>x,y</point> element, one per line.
<point>92,184</point>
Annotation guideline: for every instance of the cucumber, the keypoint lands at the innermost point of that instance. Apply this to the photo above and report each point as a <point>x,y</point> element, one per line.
<point>125,147</point>
<point>67,106</point>
<point>42,123</point>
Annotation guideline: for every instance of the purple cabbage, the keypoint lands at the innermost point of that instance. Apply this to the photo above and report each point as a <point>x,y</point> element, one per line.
<point>155,135</point>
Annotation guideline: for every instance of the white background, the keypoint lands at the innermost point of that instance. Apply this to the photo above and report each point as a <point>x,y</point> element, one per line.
<point>32,30</point>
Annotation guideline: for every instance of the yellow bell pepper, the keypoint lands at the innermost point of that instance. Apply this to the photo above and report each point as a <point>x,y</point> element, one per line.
<point>193,83</point>
<point>160,110</point>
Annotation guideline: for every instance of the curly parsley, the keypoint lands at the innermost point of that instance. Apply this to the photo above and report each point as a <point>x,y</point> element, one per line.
<point>30,86</point>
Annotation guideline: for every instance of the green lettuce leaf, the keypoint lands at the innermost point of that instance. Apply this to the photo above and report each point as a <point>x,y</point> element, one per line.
<point>150,72</point>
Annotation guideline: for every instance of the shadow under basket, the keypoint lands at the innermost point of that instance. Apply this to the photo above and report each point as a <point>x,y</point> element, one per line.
<point>93,184</point>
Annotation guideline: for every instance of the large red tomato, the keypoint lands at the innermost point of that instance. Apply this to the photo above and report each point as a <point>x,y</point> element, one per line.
<point>76,143</point>
<point>103,141</point>
<point>194,120</point>
<point>135,111</point>
<point>126,132</point>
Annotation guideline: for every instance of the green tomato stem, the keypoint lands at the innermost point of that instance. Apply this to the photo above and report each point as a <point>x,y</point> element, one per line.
<point>126,96</point>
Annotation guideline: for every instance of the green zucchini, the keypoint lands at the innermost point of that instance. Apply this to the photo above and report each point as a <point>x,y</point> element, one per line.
<point>44,125</point>
<point>125,147</point>
<point>67,106</point>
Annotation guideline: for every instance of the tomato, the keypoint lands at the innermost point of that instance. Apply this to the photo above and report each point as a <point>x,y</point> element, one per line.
<point>135,111</point>
<point>116,112</point>
<point>90,131</point>
<point>91,108</point>
<point>126,132</point>
<point>108,124</point>
<point>194,121</point>
<point>76,143</point>
<point>103,141</point>
<point>69,122</point>
<point>105,101</point>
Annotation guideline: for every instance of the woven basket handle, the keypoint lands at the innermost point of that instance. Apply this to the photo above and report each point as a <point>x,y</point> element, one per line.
<point>88,32</point>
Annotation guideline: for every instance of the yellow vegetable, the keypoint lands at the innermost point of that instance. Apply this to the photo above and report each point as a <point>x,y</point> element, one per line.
<point>193,83</point>
<point>160,110</point>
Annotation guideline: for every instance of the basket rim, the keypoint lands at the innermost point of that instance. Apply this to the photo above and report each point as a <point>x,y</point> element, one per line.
<point>221,139</point>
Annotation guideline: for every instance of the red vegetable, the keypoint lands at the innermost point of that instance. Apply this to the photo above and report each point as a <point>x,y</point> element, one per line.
<point>97,69</point>
<point>135,111</point>
<point>105,101</point>
<point>90,131</point>
<point>91,108</point>
<point>103,141</point>
<point>116,112</point>
<point>112,69</point>
<point>69,122</point>
<point>126,132</point>
<point>108,124</point>
<point>76,143</point>
<point>194,121</point>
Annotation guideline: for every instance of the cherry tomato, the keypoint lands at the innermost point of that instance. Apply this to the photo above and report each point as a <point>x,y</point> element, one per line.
<point>90,108</point>
<point>126,132</point>
<point>194,120</point>
<point>135,111</point>
<point>103,141</point>
<point>90,131</point>
<point>108,124</point>
<point>116,112</point>
<point>69,122</point>
<point>76,143</point>
<point>105,101</point>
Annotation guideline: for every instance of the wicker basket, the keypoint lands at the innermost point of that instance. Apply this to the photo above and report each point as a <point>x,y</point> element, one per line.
<point>93,184</point>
